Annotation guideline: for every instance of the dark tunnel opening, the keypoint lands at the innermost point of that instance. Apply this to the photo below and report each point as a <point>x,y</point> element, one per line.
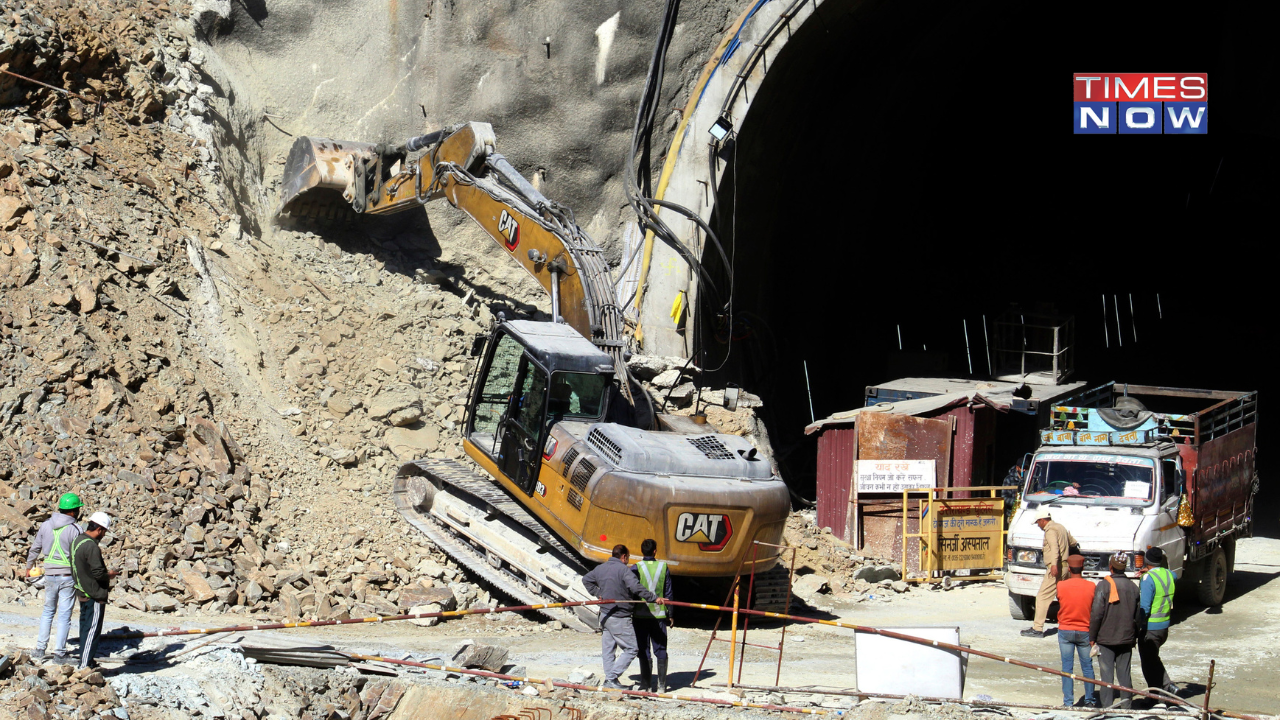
<point>874,200</point>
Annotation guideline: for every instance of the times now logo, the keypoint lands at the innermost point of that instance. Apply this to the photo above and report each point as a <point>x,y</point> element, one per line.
<point>1141,103</point>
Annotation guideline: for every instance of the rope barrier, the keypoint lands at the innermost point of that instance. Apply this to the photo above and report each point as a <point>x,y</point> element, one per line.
<point>957,648</point>
<point>357,621</point>
<point>676,603</point>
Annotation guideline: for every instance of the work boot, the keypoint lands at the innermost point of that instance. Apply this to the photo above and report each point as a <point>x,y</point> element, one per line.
<point>1032,633</point>
<point>661,686</point>
<point>612,685</point>
<point>37,655</point>
<point>646,682</point>
<point>1172,689</point>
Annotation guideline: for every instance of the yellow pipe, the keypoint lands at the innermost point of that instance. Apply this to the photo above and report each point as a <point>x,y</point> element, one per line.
<point>669,166</point>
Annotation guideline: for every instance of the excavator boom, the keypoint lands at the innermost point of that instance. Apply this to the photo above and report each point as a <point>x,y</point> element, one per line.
<point>461,165</point>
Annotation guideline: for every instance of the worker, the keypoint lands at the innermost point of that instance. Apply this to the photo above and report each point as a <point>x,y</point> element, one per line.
<point>1058,542</point>
<point>53,543</point>
<point>1155,603</point>
<point>614,581</point>
<point>1112,628</point>
<point>92,584</point>
<point>1075,606</point>
<point>651,620</point>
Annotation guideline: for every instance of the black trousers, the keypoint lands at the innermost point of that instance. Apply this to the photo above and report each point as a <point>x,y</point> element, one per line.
<point>92,613</point>
<point>650,632</point>
<point>1116,661</point>
<point>1153,670</point>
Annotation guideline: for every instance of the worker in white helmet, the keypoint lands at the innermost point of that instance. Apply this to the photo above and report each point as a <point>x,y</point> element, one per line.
<point>92,583</point>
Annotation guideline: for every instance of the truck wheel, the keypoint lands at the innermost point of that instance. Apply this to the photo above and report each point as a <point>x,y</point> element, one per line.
<point>1022,607</point>
<point>1213,579</point>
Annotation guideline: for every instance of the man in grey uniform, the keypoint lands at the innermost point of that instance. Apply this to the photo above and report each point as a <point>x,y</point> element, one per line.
<point>615,581</point>
<point>53,543</point>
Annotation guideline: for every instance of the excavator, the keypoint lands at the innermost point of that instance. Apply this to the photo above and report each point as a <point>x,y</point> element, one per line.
<point>574,459</point>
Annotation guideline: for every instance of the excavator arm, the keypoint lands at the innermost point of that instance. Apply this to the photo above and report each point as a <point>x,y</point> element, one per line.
<point>461,165</point>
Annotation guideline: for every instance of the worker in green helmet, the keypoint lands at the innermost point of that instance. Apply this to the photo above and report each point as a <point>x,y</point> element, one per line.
<point>53,543</point>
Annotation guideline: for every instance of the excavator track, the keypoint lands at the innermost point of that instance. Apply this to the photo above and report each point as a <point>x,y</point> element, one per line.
<point>772,591</point>
<point>476,523</point>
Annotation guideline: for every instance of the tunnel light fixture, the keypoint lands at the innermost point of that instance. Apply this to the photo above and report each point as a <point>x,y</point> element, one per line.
<point>721,128</point>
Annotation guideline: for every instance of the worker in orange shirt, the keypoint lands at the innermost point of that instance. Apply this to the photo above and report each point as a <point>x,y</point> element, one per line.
<point>1075,603</point>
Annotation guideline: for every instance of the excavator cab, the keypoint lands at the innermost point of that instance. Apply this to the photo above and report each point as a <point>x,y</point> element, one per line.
<point>533,375</point>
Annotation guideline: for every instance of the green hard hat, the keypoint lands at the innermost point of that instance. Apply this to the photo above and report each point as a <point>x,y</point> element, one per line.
<point>69,501</point>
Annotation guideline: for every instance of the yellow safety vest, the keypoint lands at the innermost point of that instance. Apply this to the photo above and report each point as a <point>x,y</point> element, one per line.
<point>653,575</point>
<point>57,557</point>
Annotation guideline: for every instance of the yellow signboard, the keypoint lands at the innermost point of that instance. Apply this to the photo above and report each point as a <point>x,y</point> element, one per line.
<point>961,534</point>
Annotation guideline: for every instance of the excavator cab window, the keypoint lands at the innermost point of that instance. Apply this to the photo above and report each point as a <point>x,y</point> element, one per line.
<point>496,389</point>
<point>576,396</point>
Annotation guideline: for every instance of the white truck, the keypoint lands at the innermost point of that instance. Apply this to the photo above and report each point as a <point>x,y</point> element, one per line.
<point>1115,474</point>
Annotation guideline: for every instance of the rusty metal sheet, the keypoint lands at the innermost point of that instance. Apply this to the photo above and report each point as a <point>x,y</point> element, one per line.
<point>888,436</point>
<point>836,449</point>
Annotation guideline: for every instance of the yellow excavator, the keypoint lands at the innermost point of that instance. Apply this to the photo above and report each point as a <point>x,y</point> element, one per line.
<point>576,459</point>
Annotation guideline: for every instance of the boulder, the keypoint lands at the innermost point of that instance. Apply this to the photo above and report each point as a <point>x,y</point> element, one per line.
<point>414,595</point>
<point>407,416</point>
<point>877,573</point>
<point>197,586</point>
<point>478,655</point>
<point>390,400</point>
<point>425,622</point>
<point>159,602</point>
<point>410,444</point>
<point>808,586</point>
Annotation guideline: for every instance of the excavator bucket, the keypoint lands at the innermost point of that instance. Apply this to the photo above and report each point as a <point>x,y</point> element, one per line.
<point>318,176</point>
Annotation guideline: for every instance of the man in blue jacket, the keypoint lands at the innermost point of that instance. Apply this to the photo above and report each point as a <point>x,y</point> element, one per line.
<point>614,581</point>
<point>1155,604</point>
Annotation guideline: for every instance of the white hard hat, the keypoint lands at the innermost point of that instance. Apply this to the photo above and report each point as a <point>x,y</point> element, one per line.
<point>100,518</point>
<point>1042,513</point>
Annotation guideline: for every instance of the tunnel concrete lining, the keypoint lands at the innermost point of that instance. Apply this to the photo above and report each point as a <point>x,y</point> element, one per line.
<point>727,87</point>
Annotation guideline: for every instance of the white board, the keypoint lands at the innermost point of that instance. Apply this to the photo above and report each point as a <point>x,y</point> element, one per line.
<point>898,667</point>
<point>894,476</point>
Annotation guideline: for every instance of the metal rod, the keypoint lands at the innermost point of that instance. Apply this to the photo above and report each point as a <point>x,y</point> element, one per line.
<point>1133,321</point>
<point>782,642</point>
<point>968,356</point>
<point>987,342</point>
<point>588,688</point>
<point>1119,334</point>
<point>952,701</point>
<point>751,592</point>
<point>356,621</point>
<point>555,301</point>
<point>733,630</point>
<point>809,388</point>
<point>1106,336</point>
<point>1208,688</point>
<point>957,648</point>
<point>899,337</point>
<point>1159,309</point>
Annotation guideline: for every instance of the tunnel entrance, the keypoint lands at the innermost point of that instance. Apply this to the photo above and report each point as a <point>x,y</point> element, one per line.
<point>874,212</point>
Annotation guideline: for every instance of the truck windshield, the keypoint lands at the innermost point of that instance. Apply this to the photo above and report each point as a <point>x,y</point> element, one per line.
<point>576,395</point>
<point>1092,478</point>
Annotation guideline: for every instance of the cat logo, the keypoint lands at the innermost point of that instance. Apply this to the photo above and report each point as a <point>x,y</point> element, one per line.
<point>711,532</point>
<point>510,230</point>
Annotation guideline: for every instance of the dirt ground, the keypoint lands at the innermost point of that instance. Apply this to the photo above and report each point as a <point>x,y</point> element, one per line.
<point>1241,636</point>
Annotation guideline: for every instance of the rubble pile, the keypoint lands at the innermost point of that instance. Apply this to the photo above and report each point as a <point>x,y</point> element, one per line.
<point>117,378</point>
<point>829,570</point>
<point>46,691</point>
